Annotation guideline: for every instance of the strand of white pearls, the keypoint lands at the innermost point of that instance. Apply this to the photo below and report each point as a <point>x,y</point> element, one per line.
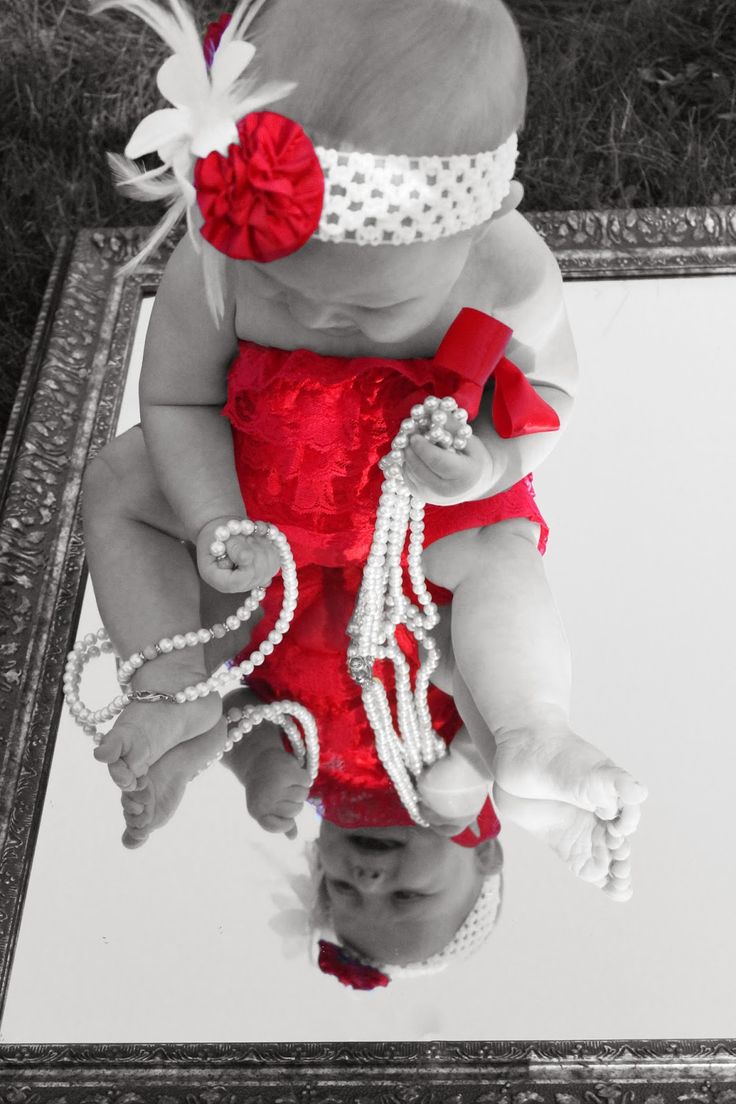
<point>94,644</point>
<point>382,606</point>
<point>304,744</point>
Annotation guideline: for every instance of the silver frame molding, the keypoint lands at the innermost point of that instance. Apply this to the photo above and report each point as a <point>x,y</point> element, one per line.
<point>64,413</point>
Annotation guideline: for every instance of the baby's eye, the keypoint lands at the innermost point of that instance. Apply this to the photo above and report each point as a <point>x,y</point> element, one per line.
<point>341,887</point>
<point>406,895</point>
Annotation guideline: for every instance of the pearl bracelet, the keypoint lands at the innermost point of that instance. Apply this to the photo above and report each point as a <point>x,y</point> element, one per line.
<point>95,644</point>
<point>382,606</point>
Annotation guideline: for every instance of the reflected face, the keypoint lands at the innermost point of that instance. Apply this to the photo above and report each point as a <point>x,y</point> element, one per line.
<point>388,293</point>
<point>397,895</point>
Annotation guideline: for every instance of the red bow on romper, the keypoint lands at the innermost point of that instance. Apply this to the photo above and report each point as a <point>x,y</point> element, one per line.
<point>469,354</point>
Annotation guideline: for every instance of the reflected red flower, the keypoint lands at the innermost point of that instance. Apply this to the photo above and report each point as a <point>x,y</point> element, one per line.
<point>336,961</point>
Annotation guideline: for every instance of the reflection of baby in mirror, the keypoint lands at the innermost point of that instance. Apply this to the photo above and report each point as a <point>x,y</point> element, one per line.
<point>294,324</point>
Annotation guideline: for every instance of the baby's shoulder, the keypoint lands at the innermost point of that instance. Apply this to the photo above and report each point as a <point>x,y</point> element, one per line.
<point>516,276</point>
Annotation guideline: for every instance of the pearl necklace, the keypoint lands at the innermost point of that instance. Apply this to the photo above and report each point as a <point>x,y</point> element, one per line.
<point>382,606</point>
<point>95,644</point>
<point>305,746</point>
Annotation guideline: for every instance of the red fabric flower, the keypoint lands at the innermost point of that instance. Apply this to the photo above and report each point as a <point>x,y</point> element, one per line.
<point>336,961</point>
<point>212,37</point>
<point>264,199</point>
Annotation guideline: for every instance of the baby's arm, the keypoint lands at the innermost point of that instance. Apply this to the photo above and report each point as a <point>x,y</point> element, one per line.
<point>529,299</point>
<point>526,290</point>
<point>182,391</point>
<point>183,387</point>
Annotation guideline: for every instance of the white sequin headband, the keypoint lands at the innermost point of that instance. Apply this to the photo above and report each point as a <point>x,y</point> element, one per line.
<point>396,199</point>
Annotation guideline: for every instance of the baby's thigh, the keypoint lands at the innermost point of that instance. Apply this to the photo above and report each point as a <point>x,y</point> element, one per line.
<point>120,482</point>
<point>476,553</point>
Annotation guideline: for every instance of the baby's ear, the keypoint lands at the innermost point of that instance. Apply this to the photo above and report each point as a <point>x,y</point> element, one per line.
<point>488,857</point>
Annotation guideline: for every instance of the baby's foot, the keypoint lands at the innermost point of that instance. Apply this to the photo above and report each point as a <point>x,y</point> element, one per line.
<point>550,762</point>
<point>145,731</point>
<point>160,793</point>
<point>585,843</point>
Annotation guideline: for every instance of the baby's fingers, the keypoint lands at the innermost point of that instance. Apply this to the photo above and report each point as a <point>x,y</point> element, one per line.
<point>273,823</point>
<point>445,463</point>
<point>257,556</point>
<point>446,827</point>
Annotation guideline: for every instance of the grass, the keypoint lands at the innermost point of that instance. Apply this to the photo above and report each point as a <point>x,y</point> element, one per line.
<point>632,103</point>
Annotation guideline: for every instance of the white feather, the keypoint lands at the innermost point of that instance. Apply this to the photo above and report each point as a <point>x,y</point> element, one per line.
<point>159,234</point>
<point>177,29</point>
<point>207,106</point>
<point>240,19</point>
<point>228,64</point>
<point>175,83</point>
<point>156,130</point>
<point>264,94</point>
<point>143,185</point>
<point>213,270</point>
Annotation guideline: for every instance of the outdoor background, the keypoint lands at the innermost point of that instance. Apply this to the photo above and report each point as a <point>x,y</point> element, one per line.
<point>632,104</point>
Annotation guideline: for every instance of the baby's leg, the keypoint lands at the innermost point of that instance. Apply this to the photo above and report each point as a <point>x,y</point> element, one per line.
<point>147,587</point>
<point>511,653</point>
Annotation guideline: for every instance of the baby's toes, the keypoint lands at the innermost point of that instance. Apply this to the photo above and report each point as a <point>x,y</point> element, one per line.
<point>618,890</point>
<point>123,776</point>
<point>597,866</point>
<point>625,823</point>
<point>134,837</point>
<point>620,847</point>
<point>112,746</point>
<point>621,870</point>
<point>605,788</point>
<point>139,806</point>
<point>629,790</point>
<point>132,803</point>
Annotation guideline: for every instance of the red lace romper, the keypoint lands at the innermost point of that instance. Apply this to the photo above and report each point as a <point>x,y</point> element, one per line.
<point>308,432</point>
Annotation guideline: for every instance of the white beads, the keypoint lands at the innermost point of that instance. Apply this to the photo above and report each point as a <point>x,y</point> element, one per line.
<point>93,644</point>
<point>305,744</point>
<point>382,606</point>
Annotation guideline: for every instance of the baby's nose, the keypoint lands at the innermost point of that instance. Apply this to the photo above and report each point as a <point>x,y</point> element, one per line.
<point>368,876</point>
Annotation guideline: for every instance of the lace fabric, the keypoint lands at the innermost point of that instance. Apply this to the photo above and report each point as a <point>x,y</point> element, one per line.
<point>308,431</point>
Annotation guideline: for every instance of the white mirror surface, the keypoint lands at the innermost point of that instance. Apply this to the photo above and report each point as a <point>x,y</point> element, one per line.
<point>173,942</point>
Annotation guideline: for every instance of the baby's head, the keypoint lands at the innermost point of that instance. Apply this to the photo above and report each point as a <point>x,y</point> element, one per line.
<point>375,86</point>
<point>418,77</point>
<point>399,896</point>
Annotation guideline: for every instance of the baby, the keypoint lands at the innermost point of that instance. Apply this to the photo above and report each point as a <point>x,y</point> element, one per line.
<point>290,315</point>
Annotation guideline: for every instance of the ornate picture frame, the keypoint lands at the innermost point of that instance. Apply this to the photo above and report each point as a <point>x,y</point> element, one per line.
<point>65,412</point>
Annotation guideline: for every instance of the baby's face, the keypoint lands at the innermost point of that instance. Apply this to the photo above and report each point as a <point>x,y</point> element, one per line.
<point>397,895</point>
<point>387,293</point>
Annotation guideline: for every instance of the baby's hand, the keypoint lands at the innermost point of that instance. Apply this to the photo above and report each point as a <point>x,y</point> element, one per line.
<point>251,561</point>
<point>276,788</point>
<point>443,476</point>
<point>445,826</point>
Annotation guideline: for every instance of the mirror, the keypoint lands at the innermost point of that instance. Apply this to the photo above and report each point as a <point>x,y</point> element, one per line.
<point>182,931</point>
